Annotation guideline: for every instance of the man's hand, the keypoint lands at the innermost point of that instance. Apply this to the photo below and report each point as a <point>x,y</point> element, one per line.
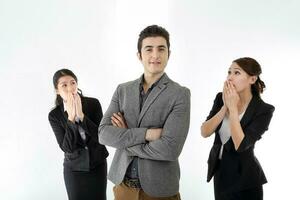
<point>118,120</point>
<point>153,134</point>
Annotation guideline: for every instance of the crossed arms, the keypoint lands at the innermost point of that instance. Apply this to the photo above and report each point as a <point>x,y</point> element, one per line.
<point>163,143</point>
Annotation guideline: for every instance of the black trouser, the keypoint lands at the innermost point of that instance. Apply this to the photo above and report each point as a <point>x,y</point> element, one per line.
<point>86,185</point>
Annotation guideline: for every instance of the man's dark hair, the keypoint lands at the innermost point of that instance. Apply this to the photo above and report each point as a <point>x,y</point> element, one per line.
<point>153,31</point>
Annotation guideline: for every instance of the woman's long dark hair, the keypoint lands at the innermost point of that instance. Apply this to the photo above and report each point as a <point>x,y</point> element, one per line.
<point>57,75</point>
<point>252,68</point>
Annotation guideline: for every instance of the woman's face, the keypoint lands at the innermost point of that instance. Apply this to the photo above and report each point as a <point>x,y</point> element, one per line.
<point>66,84</point>
<point>239,78</point>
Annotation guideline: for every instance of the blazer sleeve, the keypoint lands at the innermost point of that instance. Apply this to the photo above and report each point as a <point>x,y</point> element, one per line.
<point>175,130</point>
<point>92,119</point>
<point>66,132</point>
<point>119,138</point>
<point>257,127</point>
<point>218,103</point>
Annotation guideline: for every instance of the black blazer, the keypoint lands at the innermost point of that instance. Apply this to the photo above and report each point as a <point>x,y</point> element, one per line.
<point>239,169</point>
<point>80,155</point>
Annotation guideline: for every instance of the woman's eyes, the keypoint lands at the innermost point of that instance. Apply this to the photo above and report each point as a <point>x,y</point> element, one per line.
<point>236,72</point>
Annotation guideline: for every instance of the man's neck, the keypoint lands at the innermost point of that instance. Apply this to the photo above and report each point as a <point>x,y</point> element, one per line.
<point>149,79</point>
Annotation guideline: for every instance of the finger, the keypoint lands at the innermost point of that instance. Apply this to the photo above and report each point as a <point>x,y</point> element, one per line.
<point>122,117</point>
<point>116,121</point>
<point>233,88</point>
<point>113,123</point>
<point>78,102</point>
<point>76,99</point>
<point>119,118</point>
<point>224,86</point>
<point>70,95</point>
<point>123,120</point>
<point>230,85</point>
<point>73,101</point>
<point>79,99</point>
<point>70,99</point>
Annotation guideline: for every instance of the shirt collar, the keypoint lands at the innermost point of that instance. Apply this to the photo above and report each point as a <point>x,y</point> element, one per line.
<point>142,80</point>
<point>64,106</point>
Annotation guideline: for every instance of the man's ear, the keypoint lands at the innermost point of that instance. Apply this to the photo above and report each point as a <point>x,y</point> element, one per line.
<point>169,53</point>
<point>139,56</point>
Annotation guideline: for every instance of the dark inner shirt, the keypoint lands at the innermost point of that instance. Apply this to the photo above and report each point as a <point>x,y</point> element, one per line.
<point>132,170</point>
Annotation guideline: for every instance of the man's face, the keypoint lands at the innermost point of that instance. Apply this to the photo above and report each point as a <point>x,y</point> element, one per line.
<point>154,55</point>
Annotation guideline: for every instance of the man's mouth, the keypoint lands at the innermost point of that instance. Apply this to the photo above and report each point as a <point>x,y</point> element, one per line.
<point>155,63</point>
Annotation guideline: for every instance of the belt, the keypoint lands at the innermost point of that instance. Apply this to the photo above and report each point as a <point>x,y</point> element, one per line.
<point>132,182</point>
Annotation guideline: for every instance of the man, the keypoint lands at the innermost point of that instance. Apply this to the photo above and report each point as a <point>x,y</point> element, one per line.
<point>147,122</point>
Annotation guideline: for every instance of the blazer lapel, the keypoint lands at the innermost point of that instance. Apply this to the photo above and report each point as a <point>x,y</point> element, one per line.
<point>249,111</point>
<point>162,85</point>
<point>65,113</point>
<point>135,95</point>
<point>248,115</point>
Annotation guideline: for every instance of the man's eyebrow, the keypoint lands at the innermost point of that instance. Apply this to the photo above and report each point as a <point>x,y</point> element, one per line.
<point>148,46</point>
<point>151,46</point>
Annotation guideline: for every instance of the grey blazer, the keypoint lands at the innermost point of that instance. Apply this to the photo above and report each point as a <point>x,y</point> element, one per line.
<point>167,107</point>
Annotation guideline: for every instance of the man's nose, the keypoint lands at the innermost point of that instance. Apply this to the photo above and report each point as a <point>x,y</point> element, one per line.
<point>155,54</point>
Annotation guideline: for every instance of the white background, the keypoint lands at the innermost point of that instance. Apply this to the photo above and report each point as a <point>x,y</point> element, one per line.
<point>97,40</point>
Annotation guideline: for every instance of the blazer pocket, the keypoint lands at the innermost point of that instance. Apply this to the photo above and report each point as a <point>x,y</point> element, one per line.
<point>78,160</point>
<point>72,156</point>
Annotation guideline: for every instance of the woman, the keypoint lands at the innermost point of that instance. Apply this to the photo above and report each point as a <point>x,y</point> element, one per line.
<point>238,117</point>
<point>75,121</point>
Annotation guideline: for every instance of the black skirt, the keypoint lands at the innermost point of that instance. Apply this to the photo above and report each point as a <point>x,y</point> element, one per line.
<point>90,185</point>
